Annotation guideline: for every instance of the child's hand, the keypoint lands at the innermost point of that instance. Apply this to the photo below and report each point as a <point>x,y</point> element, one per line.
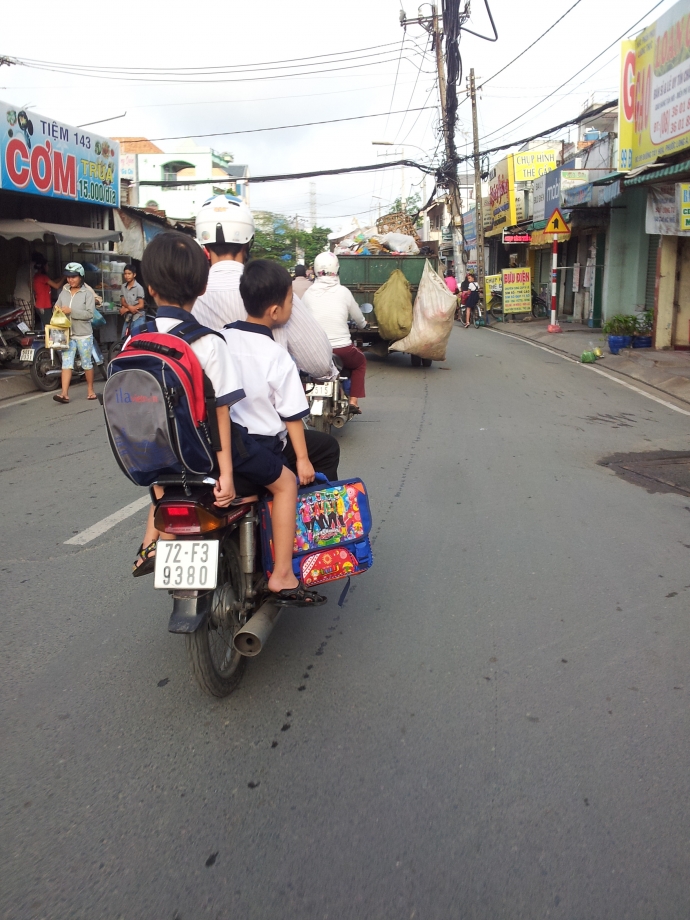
<point>224,490</point>
<point>305,472</point>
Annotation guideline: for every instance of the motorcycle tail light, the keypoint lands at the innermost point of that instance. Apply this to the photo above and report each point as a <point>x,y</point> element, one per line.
<point>26,341</point>
<point>185,518</point>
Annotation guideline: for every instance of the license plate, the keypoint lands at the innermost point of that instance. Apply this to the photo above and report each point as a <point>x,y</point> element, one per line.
<point>322,389</point>
<point>316,407</point>
<point>27,354</point>
<point>190,565</point>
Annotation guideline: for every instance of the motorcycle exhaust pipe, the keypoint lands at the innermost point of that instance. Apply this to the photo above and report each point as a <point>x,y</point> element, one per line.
<point>250,640</point>
<point>339,421</point>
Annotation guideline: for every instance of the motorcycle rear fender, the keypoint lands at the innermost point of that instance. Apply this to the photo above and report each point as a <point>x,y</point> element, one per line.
<point>190,613</point>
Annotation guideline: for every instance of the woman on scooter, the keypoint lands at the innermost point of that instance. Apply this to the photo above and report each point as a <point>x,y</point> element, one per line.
<point>332,305</point>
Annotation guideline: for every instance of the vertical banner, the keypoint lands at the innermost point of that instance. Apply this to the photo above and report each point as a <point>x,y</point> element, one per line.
<point>626,106</point>
<point>517,290</point>
<point>683,205</point>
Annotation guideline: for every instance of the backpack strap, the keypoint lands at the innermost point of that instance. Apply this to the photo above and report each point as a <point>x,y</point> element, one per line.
<point>190,331</point>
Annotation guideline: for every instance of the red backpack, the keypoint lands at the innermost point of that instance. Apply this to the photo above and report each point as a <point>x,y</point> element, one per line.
<point>160,407</point>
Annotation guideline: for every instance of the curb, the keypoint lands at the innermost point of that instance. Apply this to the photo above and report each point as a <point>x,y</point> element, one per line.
<point>16,385</point>
<point>574,358</point>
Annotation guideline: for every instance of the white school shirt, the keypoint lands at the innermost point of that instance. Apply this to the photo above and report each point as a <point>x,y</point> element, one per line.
<point>270,379</point>
<point>213,356</point>
<point>332,305</point>
<point>301,336</point>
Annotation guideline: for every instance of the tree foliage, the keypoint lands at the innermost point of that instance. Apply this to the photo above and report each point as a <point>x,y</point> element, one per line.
<point>279,239</point>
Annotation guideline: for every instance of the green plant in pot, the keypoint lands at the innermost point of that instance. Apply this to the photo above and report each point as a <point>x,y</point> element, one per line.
<point>620,330</point>
<point>643,330</point>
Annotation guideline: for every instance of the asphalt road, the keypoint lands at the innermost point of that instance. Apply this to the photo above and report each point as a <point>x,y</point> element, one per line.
<point>494,725</point>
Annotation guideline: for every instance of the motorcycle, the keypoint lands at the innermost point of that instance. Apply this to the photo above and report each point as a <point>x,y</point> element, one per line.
<point>15,335</point>
<point>211,565</point>
<point>329,402</point>
<point>46,363</point>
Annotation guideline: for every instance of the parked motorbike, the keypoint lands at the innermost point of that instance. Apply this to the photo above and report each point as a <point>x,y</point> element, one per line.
<point>46,364</point>
<point>15,335</point>
<point>211,565</point>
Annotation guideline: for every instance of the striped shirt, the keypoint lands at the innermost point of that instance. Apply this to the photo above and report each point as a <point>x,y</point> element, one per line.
<point>302,336</point>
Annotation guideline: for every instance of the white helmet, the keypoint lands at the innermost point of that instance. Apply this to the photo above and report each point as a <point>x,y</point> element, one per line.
<point>224,220</point>
<point>326,264</point>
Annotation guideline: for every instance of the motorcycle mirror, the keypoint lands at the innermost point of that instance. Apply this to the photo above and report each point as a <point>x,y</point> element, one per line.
<point>367,308</point>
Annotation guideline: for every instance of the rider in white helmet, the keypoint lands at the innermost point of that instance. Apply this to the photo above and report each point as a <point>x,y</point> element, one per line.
<point>225,228</point>
<point>333,305</point>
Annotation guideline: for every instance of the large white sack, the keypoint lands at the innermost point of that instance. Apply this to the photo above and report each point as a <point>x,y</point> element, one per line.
<point>400,242</point>
<point>432,318</point>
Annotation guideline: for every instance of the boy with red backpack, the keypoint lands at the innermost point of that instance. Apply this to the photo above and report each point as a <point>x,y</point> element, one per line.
<point>176,271</point>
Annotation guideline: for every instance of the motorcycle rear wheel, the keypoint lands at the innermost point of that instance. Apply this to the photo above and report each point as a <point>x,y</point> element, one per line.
<point>39,367</point>
<point>320,423</point>
<point>217,667</point>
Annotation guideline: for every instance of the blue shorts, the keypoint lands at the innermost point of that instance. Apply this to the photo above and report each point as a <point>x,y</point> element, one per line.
<point>85,345</point>
<point>256,460</point>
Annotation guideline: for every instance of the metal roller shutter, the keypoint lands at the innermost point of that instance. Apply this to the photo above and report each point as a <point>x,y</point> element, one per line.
<point>651,271</point>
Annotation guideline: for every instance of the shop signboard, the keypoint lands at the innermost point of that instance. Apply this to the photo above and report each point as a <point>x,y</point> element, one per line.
<point>502,196</point>
<point>469,223</point>
<point>517,290</point>
<point>487,218</point>
<point>491,283</point>
<point>517,237</point>
<point>654,98</point>
<point>683,205</point>
<point>41,156</point>
<point>128,166</point>
<point>532,164</point>
<point>552,192</point>
<point>538,199</point>
<point>579,196</point>
<point>662,211</point>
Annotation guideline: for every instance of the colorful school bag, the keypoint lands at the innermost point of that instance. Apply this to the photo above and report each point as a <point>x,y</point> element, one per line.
<point>160,407</point>
<point>332,533</point>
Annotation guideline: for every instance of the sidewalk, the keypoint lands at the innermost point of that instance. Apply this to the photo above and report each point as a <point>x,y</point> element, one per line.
<point>15,383</point>
<point>668,371</point>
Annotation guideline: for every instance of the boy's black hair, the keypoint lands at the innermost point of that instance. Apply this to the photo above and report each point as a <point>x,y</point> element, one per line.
<point>130,268</point>
<point>175,267</point>
<point>300,271</point>
<point>263,284</point>
<point>226,249</point>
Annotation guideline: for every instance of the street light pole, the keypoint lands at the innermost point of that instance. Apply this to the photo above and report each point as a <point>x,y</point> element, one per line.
<point>478,210</point>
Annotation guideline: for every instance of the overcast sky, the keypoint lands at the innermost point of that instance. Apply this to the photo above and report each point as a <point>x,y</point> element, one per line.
<point>173,34</point>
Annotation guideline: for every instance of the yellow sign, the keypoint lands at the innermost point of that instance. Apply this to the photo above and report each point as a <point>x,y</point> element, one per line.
<point>533,163</point>
<point>491,283</point>
<point>502,196</point>
<point>683,205</point>
<point>517,290</point>
<point>556,224</point>
<point>654,101</point>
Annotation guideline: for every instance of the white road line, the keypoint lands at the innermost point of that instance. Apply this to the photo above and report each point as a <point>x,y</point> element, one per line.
<point>597,370</point>
<point>19,402</point>
<point>86,536</point>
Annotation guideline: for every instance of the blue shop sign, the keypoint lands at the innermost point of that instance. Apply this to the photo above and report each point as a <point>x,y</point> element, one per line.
<point>40,156</point>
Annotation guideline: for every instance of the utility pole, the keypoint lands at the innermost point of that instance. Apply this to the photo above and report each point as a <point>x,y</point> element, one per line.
<point>312,203</point>
<point>438,45</point>
<point>478,210</point>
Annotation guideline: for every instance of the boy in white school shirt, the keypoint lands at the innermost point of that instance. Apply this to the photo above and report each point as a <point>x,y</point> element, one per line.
<point>274,404</point>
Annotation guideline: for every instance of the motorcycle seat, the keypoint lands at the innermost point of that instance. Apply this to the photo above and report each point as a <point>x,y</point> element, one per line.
<point>342,370</point>
<point>8,316</point>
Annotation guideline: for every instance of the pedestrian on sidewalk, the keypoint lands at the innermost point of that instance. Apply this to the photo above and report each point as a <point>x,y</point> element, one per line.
<point>77,301</point>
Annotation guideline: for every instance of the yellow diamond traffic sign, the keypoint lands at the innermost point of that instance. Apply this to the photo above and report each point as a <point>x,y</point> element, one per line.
<point>556,224</point>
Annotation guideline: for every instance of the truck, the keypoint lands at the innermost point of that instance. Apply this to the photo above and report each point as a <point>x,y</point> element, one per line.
<point>364,275</point>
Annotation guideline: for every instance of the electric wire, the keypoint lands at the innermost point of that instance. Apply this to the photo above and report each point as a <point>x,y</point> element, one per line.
<point>577,73</point>
<point>529,47</point>
<point>395,83</point>
<point>414,89</point>
<point>305,124</point>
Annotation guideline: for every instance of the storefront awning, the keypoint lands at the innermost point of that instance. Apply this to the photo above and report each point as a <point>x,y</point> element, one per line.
<point>657,174</point>
<point>63,233</point>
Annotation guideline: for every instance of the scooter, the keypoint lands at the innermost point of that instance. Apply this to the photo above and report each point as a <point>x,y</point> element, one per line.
<point>211,564</point>
<point>46,364</point>
<point>329,402</point>
<point>15,335</point>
